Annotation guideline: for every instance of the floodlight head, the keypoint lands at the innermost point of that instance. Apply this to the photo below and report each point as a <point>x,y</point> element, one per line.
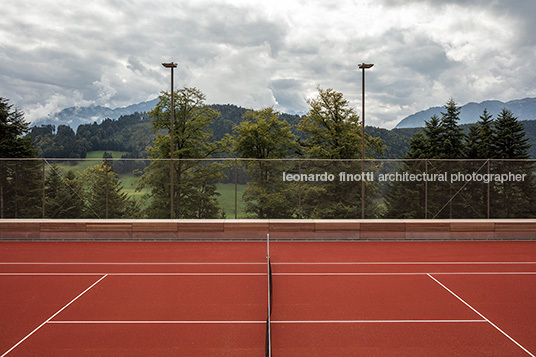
<point>365,65</point>
<point>169,65</point>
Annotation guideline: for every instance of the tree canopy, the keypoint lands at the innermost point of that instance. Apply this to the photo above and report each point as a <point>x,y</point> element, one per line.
<point>194,194</point>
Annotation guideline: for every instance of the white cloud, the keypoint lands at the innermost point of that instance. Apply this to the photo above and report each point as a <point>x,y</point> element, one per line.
<point>257,53</point>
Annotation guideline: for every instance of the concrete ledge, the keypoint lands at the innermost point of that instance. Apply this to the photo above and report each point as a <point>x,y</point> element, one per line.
<point>189,229</point>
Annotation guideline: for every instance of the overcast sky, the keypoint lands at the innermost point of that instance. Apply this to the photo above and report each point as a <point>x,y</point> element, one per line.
<point>256,53</point>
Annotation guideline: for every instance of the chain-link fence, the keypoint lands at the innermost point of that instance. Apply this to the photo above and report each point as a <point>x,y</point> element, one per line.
<point>247,188</point>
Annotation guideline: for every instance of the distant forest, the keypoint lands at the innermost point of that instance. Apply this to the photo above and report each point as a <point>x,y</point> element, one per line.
<point>133,134</point>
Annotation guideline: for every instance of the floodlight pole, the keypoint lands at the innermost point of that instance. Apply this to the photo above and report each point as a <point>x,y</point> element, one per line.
<point>363,66</point>
<point>171,65</point>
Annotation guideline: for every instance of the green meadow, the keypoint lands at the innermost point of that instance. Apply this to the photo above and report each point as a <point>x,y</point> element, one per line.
<point>226,198</point>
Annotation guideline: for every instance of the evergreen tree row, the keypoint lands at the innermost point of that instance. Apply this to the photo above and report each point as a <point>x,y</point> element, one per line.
<point>442,139</point>
<point>93,193</point>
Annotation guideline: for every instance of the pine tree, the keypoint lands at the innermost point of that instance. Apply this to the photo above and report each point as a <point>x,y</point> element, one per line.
<point>451,136</point>
<point>61,200</point>
<point>485,149</point>
<point>104,195</point>
<point>473,142</point>
<point>433,133</point>
<point>512,199</point>
<point>478,145</point>
<point>451,140</point>
<point>20,181</point>
<point>407,199</point>
<point>509,141</point>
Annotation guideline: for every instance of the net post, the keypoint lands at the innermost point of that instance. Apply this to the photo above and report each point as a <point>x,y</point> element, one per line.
<point>268,245</point>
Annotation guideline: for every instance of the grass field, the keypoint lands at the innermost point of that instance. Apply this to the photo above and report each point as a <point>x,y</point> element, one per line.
<point>129,183</point>
<point>227,199</point>
<point>82,164</point>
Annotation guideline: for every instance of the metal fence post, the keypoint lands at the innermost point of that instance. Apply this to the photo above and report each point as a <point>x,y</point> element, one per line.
<point>236,189</point>
<point>299,190</point>
<point>489,191</point>
<point>106,169</point>
<point>426,189</point>
<point>43,181</point>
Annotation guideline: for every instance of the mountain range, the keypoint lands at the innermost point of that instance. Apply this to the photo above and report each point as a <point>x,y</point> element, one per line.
<point>132,132</point>
<point>523,109</point>
<point>74,116</point>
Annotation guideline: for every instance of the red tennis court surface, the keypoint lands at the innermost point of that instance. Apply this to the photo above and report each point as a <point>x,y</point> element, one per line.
<point>210,298</point>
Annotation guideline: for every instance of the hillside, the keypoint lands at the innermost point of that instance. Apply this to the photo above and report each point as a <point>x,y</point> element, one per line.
<point>130,133</point>
<point>76,116</point>
<point>524,109</point>
<point>133,134</point>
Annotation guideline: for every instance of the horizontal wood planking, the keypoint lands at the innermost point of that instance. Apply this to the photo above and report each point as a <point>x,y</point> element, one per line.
<point>336,225</point>
<point>21,226</point>
<point>515,227</point>
<point>208,225</point>
<point>278,228</point>
<point>63,227</point>
<point>154,226</point>
<point>428,227</point>
<point>383,226</point>
<point>291,225</point>
<point>476,226</point>
<point>244,225</point>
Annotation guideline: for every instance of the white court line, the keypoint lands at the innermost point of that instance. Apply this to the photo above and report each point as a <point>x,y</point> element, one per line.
<point>135,274</point>
<point>402,263</point>
<point>409,273</point>
<point>159,322</point>
<point>489,273</point>
<point>373,321</point>
<point>273,263</point>
<point>264,274</point>
<point>133,263</point>
<point>482,316</point>
<point>259,322</point>
<point>51,317</point>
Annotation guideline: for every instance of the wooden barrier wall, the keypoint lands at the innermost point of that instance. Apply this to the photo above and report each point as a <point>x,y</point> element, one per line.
<point>185,229</point>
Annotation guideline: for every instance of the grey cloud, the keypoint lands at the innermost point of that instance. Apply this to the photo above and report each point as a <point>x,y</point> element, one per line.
<point>522,10</point>
<point>415,53</point>
<point>110,53</point>
<point>439,3</point>
<point>289,94</point>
